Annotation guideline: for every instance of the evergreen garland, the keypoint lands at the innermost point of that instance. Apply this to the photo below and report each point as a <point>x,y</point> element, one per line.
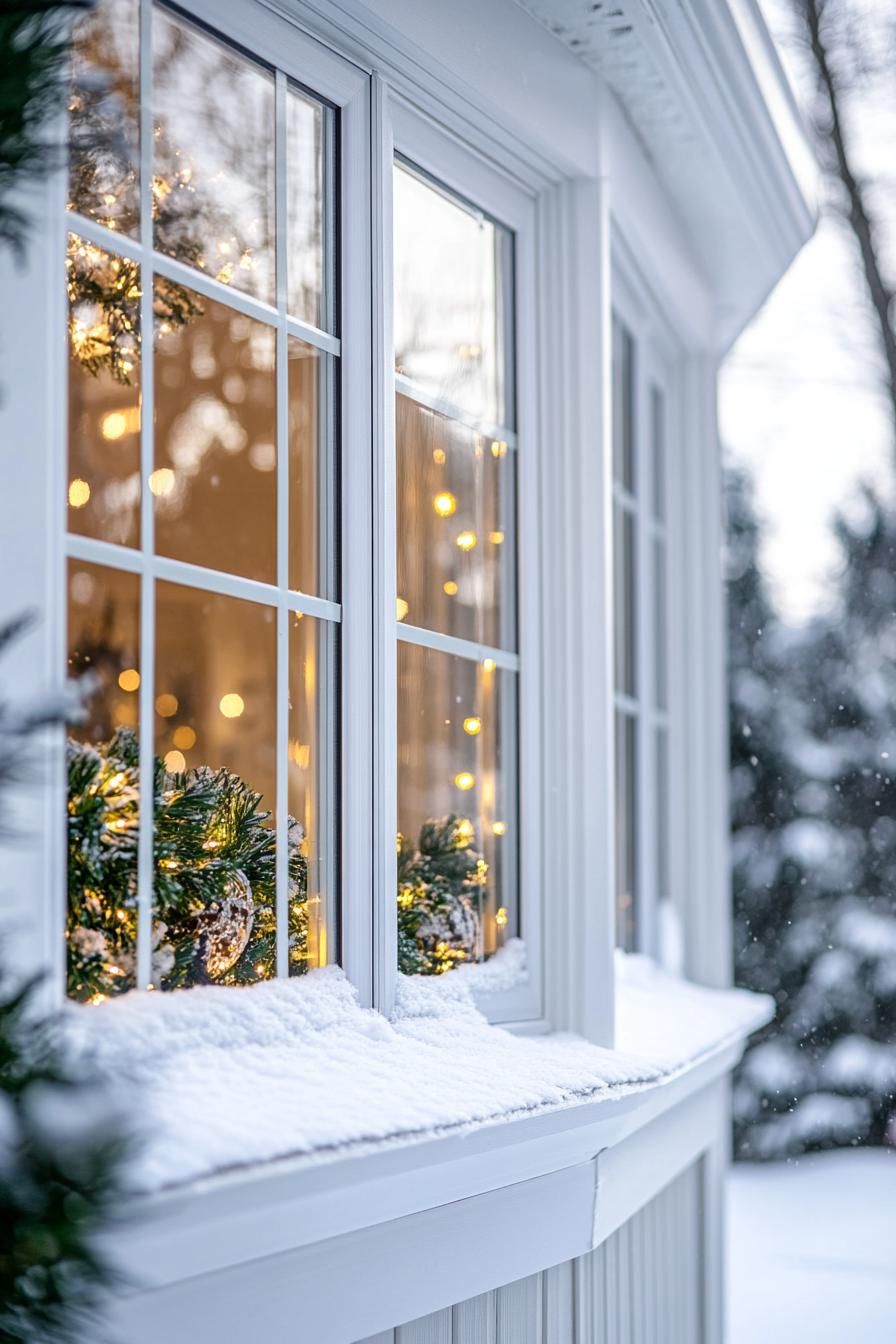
<point>440,889</point>
<point>213,876</point>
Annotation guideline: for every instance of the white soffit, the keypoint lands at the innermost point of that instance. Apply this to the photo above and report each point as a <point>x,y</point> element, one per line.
<point>702,86</point>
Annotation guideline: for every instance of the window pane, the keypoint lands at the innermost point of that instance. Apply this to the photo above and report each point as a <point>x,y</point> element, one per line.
<point>304,196</point>
<point>104,394</point>
<point>455,512</point>
<point>663,885</point>
<point>104,645</point>
<point>215,477</point>
<point>313,505</point>
<point>105,116</point>
<point>626,829</point>
<point>313,700</point>
<point>452,300</point>
<point>213,157</point>
<point>215,726</point>
<point>457,812</point>
<point>624,601</point>
<point>658,444</point>
<point>623,407</point>
<point>660,676</point>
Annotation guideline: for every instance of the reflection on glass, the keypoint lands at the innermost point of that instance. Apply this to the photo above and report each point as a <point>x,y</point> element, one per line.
<point>312,497</point>
<point>215,476</point>
<point>457,812</point>
<point>626,822</point>
<point>215,722</point>
<point>455,527</point>
<point>623,407</point>
<point>659,624</point>
<point>104,394</point>
<point>624,602</point>
<point>658,445</point>
<point>105,109</point>
<point>311,793</point>
<point>452,299</point>
<point>304,208</point>
<point>102,814</point>
<point>213,157</point>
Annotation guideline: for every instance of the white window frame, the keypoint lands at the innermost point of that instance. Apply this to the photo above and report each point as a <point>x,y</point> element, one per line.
<point>657,363</point>
<point>413,137</point>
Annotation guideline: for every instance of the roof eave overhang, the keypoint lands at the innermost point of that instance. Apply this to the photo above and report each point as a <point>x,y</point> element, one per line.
<point>701,83</point>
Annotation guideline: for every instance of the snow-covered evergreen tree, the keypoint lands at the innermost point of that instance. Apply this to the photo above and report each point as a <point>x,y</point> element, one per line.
<point>813,723</point>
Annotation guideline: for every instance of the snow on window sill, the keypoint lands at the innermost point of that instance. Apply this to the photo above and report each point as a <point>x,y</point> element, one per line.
<point>229,1079</point>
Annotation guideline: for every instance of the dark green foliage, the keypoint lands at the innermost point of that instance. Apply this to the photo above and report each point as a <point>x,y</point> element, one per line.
<point>61,1160</point>
<point>439,894</point>
<point>33,82</point>
<point>213,863</point>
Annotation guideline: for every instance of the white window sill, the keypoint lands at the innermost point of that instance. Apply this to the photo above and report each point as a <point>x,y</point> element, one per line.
<point>284,1116</point>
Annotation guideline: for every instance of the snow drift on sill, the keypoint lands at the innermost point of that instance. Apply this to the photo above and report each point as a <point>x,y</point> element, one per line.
<point>223,1078</point>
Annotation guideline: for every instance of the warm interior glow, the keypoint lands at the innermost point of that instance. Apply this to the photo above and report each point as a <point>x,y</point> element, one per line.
<point>472,725</point>
<point>115,424</point>
<point>231,705</point>
<point>184,737</point>
<point>466,540</point>
<point>161,481</point>
<point>129,679</point>
<point>500,828</point>
<point>488,664</point>
<point>175,763</point>
<point>501,917</point>
<point>444,504</point>
<point>450,587</point>
<point>401,608</point>
<point>166,704</point>
<point>464,780</point>
<point>499,448</point>
<point>78,493</point>
<point>496,538</point>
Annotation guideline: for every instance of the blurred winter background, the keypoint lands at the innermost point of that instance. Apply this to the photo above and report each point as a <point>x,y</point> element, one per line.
<point>808,420</point>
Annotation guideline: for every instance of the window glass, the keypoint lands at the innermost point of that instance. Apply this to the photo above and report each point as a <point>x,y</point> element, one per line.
<point>208,857</point>
<point>456,512</point>
<point>452,300</point>
<point>213,157</point>
<point>104,147</point>
<point>305,199</point>
<point>456,814</point>
<point>456,573</point>
<point>641,626</point>
<point>104,404</point>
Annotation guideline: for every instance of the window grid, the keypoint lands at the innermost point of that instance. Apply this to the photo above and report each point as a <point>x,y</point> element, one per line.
<point>641,616</point>
<point>491,657</point>
<point>151,567</point>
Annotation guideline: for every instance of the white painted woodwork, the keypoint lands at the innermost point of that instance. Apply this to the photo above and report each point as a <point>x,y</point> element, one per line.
<point>642,1285</point>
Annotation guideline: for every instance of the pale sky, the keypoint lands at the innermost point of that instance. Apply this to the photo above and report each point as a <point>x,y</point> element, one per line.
<point>799,398</point>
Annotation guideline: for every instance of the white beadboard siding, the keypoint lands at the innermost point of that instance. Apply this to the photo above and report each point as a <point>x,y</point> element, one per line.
<point>643,1285</point>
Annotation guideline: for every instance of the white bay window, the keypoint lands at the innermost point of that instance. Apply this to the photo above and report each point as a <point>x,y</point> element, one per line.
<point>361,388</point>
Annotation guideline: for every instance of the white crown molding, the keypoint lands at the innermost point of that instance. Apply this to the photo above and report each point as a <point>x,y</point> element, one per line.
<point>701,84</point>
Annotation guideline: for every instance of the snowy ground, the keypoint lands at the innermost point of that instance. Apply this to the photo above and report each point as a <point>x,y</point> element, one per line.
<point>812,1250</point>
